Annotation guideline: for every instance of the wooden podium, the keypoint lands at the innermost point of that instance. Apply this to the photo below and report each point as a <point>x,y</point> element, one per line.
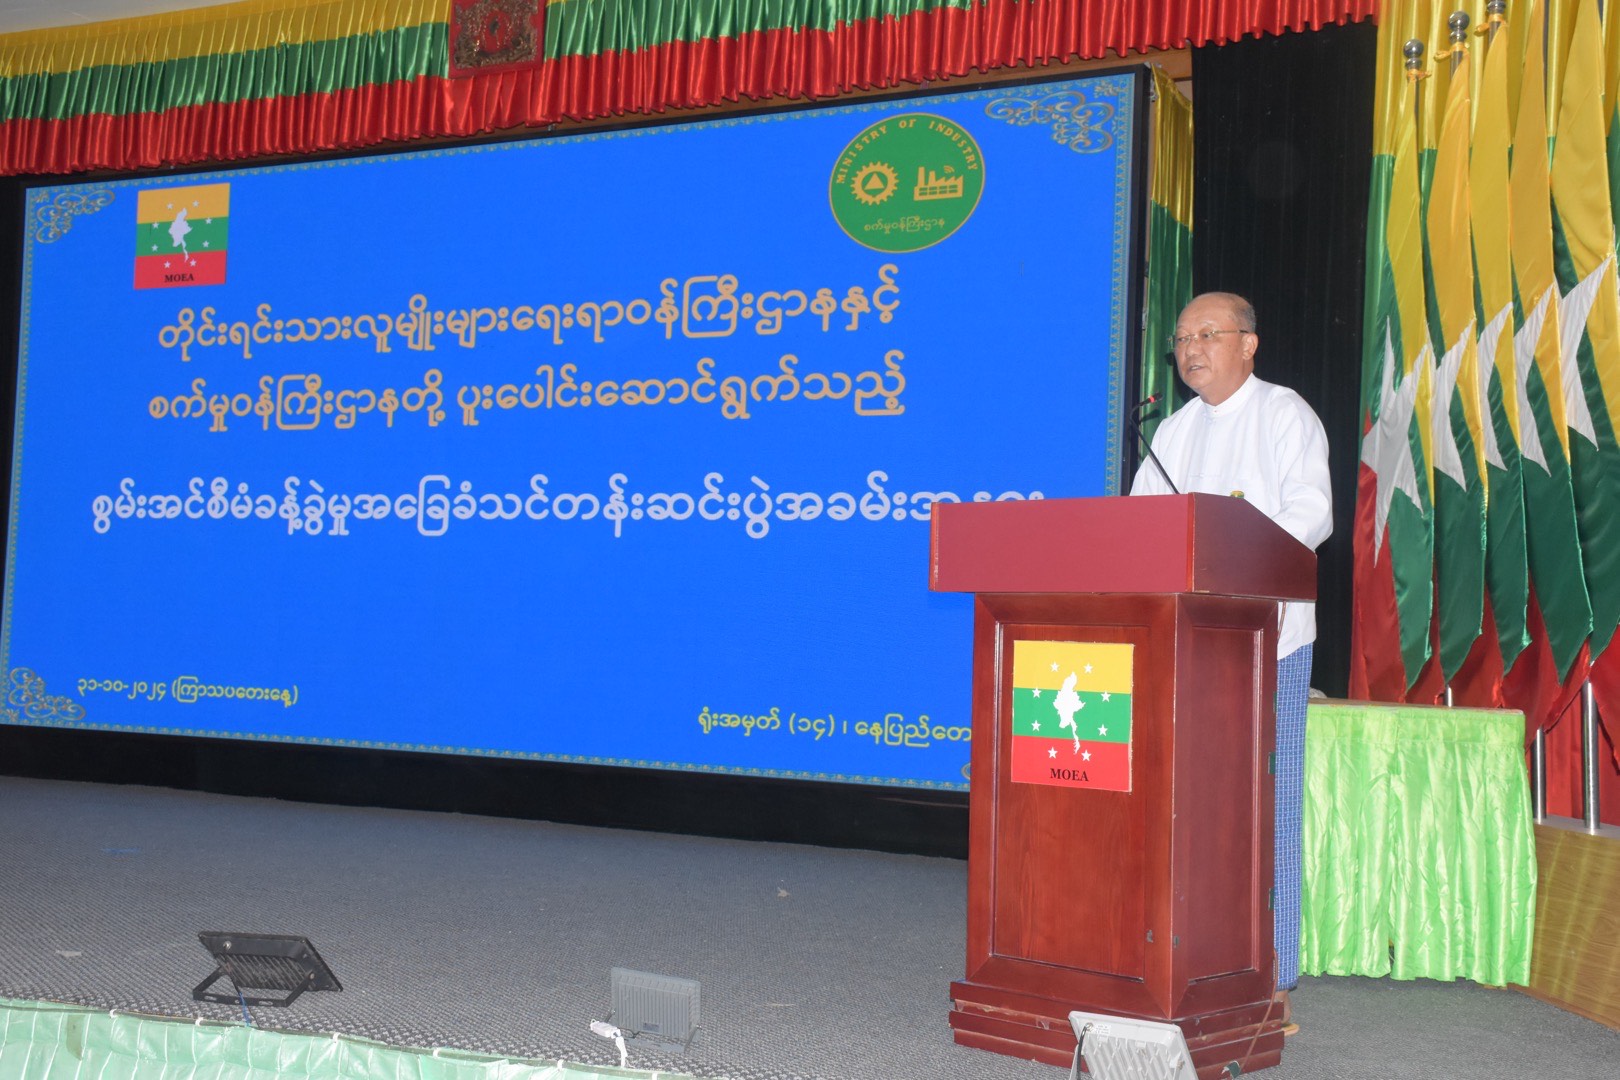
<point>1148,898</point>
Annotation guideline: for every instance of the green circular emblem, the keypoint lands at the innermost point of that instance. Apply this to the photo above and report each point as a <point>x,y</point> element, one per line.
<point>906,182</point>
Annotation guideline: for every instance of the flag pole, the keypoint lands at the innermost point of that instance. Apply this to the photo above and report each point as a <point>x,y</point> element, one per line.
<point>1590,750</point>
<point>1538,776</point>
<point>1413,51</point>
<point>1496,18</point>
<point>1458,22</point>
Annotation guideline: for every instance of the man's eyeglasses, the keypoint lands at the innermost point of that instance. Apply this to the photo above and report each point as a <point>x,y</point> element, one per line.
<point>1181,341</point>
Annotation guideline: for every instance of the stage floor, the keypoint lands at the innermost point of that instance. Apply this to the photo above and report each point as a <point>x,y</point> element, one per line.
<point>496,935</point>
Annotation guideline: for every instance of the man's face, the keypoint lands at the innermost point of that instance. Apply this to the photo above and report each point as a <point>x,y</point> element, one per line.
<point>1213,369</point>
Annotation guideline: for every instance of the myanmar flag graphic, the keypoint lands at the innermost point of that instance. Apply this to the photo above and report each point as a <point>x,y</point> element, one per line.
<point>180,236</point>
<point>1072,714</point>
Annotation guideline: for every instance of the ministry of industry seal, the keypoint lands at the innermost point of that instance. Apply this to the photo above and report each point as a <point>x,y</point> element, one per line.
<point>907,182</point>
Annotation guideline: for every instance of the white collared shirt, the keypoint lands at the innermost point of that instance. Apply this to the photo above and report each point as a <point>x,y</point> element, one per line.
<point>1265,442</point>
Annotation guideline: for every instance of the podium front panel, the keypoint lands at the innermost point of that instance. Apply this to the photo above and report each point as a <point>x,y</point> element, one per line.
<point>1224,806</point>
<point>1069,858</point>
<point>1150,901</point>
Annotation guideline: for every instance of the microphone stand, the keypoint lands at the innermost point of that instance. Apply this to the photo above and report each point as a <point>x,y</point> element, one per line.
<point>1136,430</point>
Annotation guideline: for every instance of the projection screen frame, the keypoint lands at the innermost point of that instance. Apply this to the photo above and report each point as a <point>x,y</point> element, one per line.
<point>1127,296</point>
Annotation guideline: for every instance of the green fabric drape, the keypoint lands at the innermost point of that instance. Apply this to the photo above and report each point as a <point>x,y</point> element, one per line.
<point>298,76</point>
<point>61,1042</point>
<point>315,67</point>
<point>600,26</point>
<point>1169,257</point>
<point>1419,856</point>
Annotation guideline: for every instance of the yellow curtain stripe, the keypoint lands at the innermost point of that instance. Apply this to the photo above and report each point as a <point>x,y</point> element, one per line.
<point>1560,28</point>
<point>1611,63</point>
<point>1172,150</point>
<point>1110,665</point>
<point>1451,256</point>
<point>1580,185</point>
<point>1404,241</point>
<point>1394,27</point>
<point>1488,209</point>
<point>1432,91</point>
<point>1530,218</point>
<point>227,28</point>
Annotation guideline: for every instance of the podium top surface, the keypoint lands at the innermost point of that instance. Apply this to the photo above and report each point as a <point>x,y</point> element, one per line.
<point>1213,544</point>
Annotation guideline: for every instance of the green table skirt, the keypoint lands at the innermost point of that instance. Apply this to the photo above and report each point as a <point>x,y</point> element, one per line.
<point>43,1041</point>
<point>1419,849</point>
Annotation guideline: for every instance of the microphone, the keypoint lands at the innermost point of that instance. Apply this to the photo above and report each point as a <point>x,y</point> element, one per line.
<point>1131,418</point>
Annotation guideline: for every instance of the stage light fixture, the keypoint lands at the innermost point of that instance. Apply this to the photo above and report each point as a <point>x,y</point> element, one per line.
<point>660,1009</point>
<point>1119,1048</point>
<point>263,962</point>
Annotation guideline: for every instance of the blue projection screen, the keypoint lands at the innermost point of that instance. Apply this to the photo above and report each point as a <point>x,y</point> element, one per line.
<point>610,449</point>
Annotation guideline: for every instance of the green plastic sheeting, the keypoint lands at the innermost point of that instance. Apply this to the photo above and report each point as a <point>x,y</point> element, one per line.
<point>1420,854</point>
<point>40,1041</point>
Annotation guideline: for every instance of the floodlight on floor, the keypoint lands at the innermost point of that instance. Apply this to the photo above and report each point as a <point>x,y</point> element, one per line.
<point>660,1009</point>
<point>1119,1048</point>
<point>263,962</point>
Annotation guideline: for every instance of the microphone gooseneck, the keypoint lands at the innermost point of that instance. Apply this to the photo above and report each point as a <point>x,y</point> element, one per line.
<point>1136,430</point>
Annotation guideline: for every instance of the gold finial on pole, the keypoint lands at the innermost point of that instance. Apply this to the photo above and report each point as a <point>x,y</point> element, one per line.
<point>1458,22</point>
<point>1495,19</point>
<point>1413,51</point>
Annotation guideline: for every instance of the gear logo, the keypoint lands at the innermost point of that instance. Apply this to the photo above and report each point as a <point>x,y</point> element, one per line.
<point>874,182</point>
<point>907,182</point>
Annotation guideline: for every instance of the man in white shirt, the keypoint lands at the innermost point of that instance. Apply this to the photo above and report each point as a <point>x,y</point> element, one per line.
<point>1260,442</point>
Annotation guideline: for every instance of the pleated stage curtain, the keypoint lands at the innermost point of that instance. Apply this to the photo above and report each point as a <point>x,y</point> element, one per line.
<point>1280,196</point>
<point>300,76</point>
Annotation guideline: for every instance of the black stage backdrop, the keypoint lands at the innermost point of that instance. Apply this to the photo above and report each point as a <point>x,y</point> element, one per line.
<point>1283,153</point>
<point>1282,149</point>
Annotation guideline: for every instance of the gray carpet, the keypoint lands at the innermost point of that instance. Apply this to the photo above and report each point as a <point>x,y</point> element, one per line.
<point>497,936</point>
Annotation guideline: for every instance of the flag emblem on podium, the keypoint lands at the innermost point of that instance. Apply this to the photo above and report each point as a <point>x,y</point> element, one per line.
<point>1071,714</point>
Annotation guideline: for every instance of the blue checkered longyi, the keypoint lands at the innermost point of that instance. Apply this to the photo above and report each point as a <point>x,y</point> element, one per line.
<point>1293,688</point>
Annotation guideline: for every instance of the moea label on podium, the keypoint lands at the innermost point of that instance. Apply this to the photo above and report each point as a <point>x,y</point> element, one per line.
<point>1071,714</point>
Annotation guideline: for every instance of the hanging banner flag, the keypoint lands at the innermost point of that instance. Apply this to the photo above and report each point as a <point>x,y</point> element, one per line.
<point>180,236</point>
<point>1071,714</point>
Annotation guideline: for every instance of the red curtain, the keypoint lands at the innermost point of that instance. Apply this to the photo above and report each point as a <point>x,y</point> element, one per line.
<point>782,63</point>
<point>876,53</point>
